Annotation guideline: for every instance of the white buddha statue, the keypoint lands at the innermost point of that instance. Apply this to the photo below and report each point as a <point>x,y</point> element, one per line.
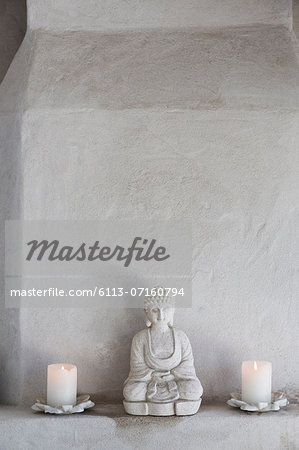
<point>162,378</point>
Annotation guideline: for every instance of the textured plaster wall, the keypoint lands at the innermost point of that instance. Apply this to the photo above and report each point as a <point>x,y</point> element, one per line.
<point>178,123</point>
<point>9,201</point>
<point>215,427</point>
<point>112,14</point>
<point>12,31</point>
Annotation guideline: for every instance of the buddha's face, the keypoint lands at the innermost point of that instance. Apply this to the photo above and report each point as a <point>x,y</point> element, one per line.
<point>160,316</point>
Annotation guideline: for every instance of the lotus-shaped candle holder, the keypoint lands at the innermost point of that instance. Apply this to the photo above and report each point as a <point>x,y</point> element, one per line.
<point>278,400</point>
<point>82,403</point>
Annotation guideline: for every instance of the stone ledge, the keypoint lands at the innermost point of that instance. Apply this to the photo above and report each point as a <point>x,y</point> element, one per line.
<point>215,426</point>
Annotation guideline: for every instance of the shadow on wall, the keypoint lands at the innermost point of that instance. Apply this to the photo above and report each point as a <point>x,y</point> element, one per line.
<point>10,187</point>
<point>13,24</point>
<point>296,18</point>
<point>12,30</point>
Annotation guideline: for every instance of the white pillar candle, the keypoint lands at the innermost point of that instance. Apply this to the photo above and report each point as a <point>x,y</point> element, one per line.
<point>61,384</point>
<point>256,381</point>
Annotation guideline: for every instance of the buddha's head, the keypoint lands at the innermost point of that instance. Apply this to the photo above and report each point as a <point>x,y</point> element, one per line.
<point>159,308</point>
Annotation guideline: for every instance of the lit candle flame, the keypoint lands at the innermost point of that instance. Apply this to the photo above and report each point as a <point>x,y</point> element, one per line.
<point>255,365</point>
<point>62,368</point>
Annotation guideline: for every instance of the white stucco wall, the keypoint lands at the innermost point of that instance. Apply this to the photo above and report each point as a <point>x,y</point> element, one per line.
<point>117,14</point>
<point>215,114</point>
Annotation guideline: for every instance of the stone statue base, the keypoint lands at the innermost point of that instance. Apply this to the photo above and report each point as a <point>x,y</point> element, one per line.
<point>178,408</point>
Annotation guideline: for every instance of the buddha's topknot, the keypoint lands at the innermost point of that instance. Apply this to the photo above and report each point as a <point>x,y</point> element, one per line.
<point>160,297</point>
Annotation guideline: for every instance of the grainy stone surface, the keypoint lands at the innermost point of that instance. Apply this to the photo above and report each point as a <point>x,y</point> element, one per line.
<point>244,68</point>
<point>181,124</point>
<point>112,14</point>
<point>214,427</point>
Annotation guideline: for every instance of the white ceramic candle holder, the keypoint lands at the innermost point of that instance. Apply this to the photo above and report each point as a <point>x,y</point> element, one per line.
<point>82,403</point>
<point>278,400</point>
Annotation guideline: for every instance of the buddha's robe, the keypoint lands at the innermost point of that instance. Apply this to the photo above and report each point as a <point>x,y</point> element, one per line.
<point>161,379</point>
